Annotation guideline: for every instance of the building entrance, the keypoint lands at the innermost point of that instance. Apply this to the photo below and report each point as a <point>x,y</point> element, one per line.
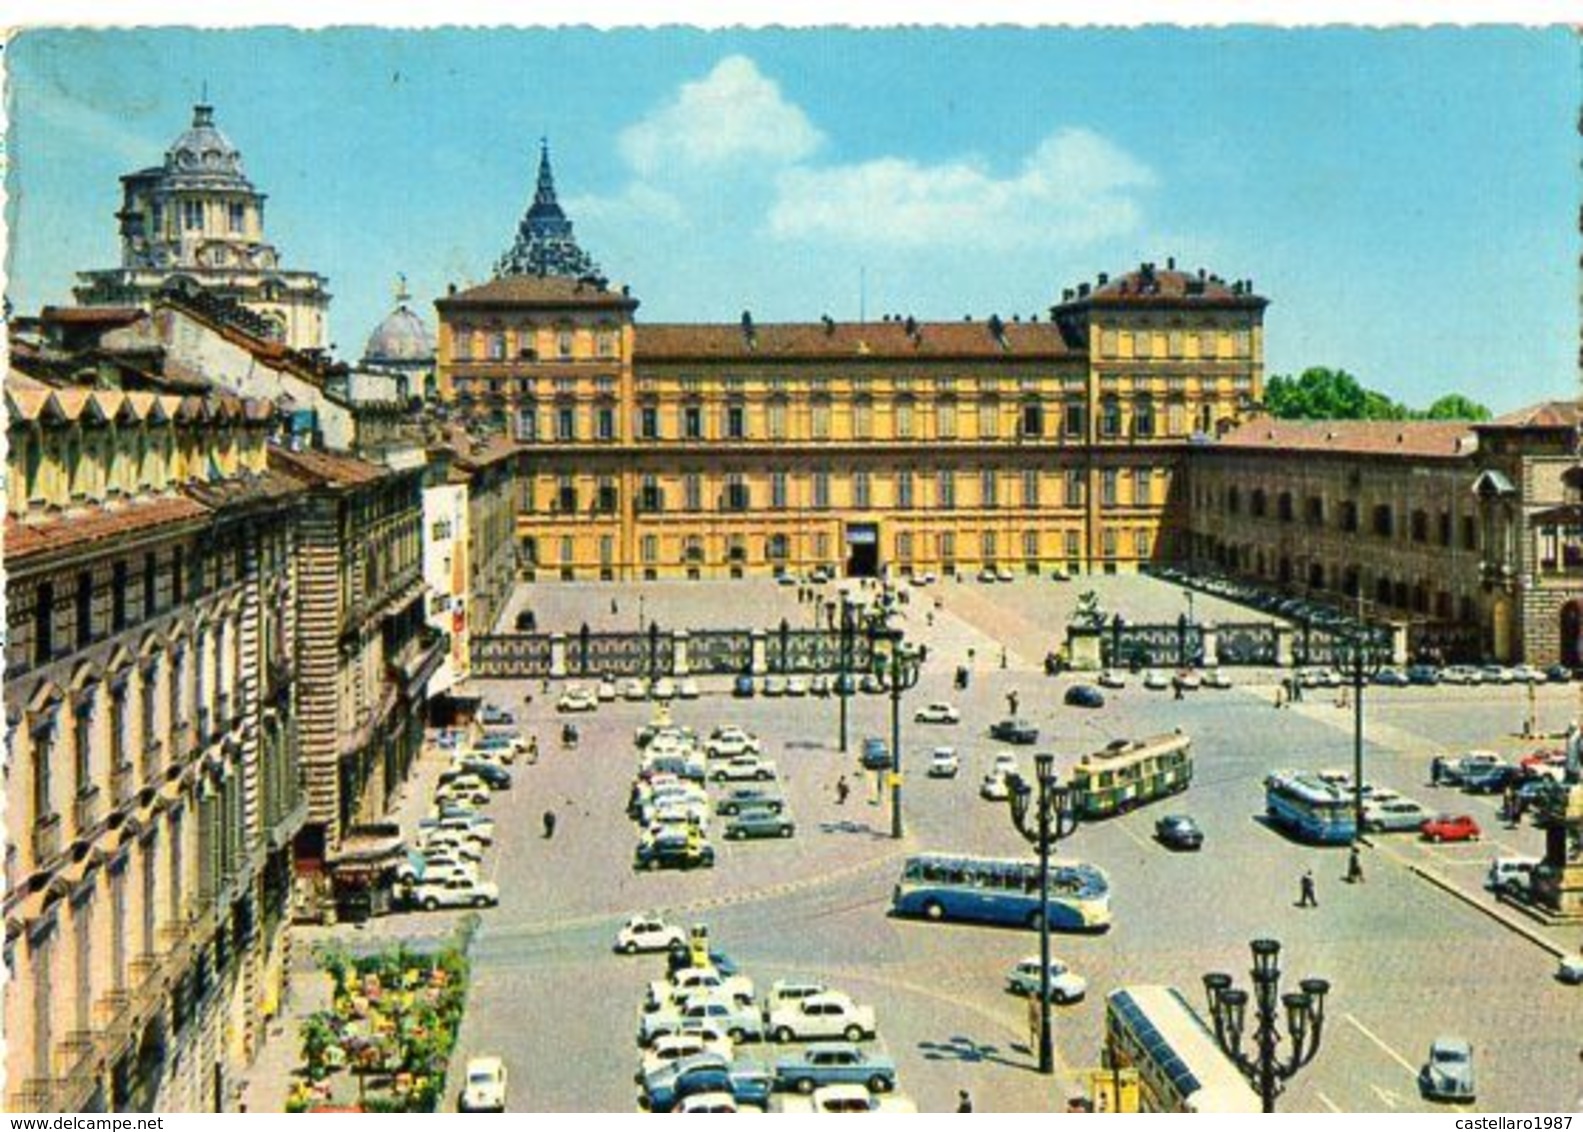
<point>1571,632</point>
<point>862,550</point>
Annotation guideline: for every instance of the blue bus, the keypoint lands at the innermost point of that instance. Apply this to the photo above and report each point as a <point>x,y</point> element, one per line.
<point>992,890</point>
<point>1309,808</point>
<point>1181,1068</point>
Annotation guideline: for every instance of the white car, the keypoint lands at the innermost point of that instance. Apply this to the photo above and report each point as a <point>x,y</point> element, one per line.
<point>1461,674</point>
<point>937,713</point>
<point>727,742</point>
<point>462,793</point>
<point>1528,674</point>
<point>647,932</point>
<point>1155,680</point>
<point>1002,574</point>
<point>691,981</point>
<point>819,1016</point>
<point>709,1102</point>
<point>820,685</point>
<point>1005,763</point>
<point>774,686</point>
<point>847,1098</point>
<point>686,1043</point>
<point>436,868</point>
<point>744,768</point>
<point>796,686</point>
<point>687,689</point>
<point>1065,986</point>
<point>606,690</point>
<point>1112,678</point>
<point>635,688</point>
<point>1188,679</point>
<point>784,991</point>
<point>455,892</point>
<point>1570,969</point>
<point>664,689</point>
<point>987,575</point>
<point>484,1086</point>
<point>943,763</point>
<point>994,788</point>
<point>1215,678</point>
<point>449,843</point>
<point>577,698</point>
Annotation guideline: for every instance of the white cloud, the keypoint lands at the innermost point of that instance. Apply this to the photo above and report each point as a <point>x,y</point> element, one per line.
<point>637,203</point>
<point>734,114</point>
<point>1074,188</point>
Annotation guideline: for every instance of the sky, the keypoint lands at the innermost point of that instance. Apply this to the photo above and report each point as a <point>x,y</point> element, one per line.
<point>1407,199</point>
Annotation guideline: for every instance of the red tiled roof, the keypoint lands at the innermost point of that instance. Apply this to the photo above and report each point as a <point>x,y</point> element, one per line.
<point>1451,439</point>
<point>880,340</point>
<point>1546,414</point>
<point>1152,285</point>
<point>324,469</point>
<point>252,487</point>
<point>106,316</point>
<point>552,290</point>
<point>76,529</point>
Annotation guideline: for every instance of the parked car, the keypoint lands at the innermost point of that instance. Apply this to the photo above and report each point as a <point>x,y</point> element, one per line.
<point>870,684</point>
<point>1448,1074</point>
<point>1488,779</point>
<point>1528,674</point>
<point>484,1086</point>
<point>1558,674</point>
<point>680,1045</point>
<point>774,686</point>
<point>1155,680</point>
<point>758,822</point>
<point>664,689</point>
<point>994,788</point>
<point>606,690</point>
<point>466,791</point>
<point>707,1082</point>
<point>1392,678</point>
<point>1018,731</point>
<point>822,1016</point>
<point>751,797</point>
<point>1496,674</point>
<point>936,713</point>
<point>796,686</point>
<point>454,892</point>
<point>819,685</point>
<point>674,850</point>
<point>492,716</point>
<point>1065,985</point>
<point>1187,679</point>
<point>1394,815</point>
<point>835,1063</point>
<point>783,991</point>
<point>742,687</point>
<point>1451,827</point>
<point>687,689</point>
<point>737,1020</point>
<point>1461,674</point>
<point>1423,674</point>
<point>635,688</point>
<point>875,755</point>
<point>576,699</point>
<point>742,768</point>
<point>1215,677</point>
<point>1179,831</point>
<point>1453,770</point>
<point>1084,696</point>
<point>1112,678</point>
<point>725,742</point>
<point>688,982</point>
<point>1570,969</point>
<point>491,775</point>
<point>943,763</point>
<point>648,932</point>
<point>847,1098</point>
<point>1511,874</point>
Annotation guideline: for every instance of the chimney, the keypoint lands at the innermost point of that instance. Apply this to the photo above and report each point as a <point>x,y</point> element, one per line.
<point>1104,277</point>
<point>749,335</point>
<point>829,324</point>
<point>1170,263</point>
<point>1082,290</point>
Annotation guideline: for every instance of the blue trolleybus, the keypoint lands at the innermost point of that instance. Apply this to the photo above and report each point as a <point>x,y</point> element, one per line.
<point>1180,1066</point>
<point>1310,808</point>
<point>991,890</point>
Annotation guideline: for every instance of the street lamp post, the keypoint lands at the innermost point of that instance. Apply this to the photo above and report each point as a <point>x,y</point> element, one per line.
<point>897,668</point>
<point>1051,821</point>
<point>844,680</point>
<point>1263,1066</point>
<point>1363,654</point>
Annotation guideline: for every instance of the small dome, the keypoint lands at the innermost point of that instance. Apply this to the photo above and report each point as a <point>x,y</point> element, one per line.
<point>402,337</point>
<point>203,151</point>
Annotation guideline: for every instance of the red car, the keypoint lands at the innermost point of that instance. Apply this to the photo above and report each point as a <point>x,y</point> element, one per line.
<point>1449,827</point>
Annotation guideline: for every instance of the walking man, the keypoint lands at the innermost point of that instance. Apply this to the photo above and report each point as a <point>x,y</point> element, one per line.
<point>841,790</point>
<point>1354,867</point>
<point>1011,702</point>
<point>964,1102</point>
<point>1306,896</point>
<point>549,824</point>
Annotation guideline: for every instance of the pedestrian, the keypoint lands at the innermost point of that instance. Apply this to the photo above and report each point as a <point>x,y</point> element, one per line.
<point>1306,896</point>
<point>841,790</point>
<point>1011,702</point>
<point>1437,767</point>
<point>1176,684</point>
<point>614,608</point>
<point>1354,867</point>
<point>964,1101</point>
<point>929,617</point>
<point>1003,656</point>
<point>533,749</point>
<point>1279,697</point>
<point>549,824</point>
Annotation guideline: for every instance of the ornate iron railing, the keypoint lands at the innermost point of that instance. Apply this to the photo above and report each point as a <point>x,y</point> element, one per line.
<point>1250,643</point>
<point>717,651</point>
<point>520,654</point>
<point>1177,643</point>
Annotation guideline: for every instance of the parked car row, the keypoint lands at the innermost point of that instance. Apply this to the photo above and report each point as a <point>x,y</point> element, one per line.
<point>441,869</point>
<point>695,1020</point>
<point>580,698</point>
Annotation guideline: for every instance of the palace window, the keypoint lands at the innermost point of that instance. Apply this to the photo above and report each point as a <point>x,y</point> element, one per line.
<point>1030,488</point>
<point>564,340</point>
<point>605,419</point>
<point>605,343</point>
<point>192,215</point>
<point>820,410</point>
<point>1074,489</point>
<point>1420,526</point>
<point>904,425</point>
<point>118,597</point>
<point>693,422</point>
<point>1349,516</point>
<point>495,344</point>
<point>565,423</point>
<point>737,496</point>
<point>945,420</point>
<point>649,422</point>
<point>150,572</point>
<point>692,491</point>
<point>860,490</point>
<point>82,745</point>
<point>1107,487</point>
<point>988,488</point>
<point>462,344</point>
<point>777,419</point>
<point>1074,545</point>
<point>1032,419</point>
<point>1314,507</point>
<point>1445,528</point>
<point>736,421</point>
<point>1141,541</point>
<point>651,497</point>
<point>1076,420</point>
<point>607,502</point>
<point>778,490</point>
<point>527,423</point>
<point>821,490</point>
<point>904,545</point>
<point>1384,521</point>
<point>947,543</point>
<point>989,546</point>
<point>1030,545</point>
<point>989,418</point>
<point>904,489</point>
<point>863,419</point>
<point>1110,417</point>
<point>43,623</point>
<point>945,489</point>
<point>566,496</point>
<point>1143,417</point>
<point>1141,478</point>
<point>568,550</point>
<point>84,609</point>
<point>1256,503</point>
<point>1283,507</point>
<point>776,548</point>
<point>1108,542</point>
<point>649,548</point>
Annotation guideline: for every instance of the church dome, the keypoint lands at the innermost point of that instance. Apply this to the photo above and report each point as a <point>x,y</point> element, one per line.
<point>203,152</point>
<point>401,337</point>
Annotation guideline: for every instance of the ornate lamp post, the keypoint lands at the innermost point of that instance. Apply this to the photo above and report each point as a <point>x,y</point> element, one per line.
<point>897,668</point>
<point>1362,654</point>
<point>1264,1068</point>
<point>1049,819</point>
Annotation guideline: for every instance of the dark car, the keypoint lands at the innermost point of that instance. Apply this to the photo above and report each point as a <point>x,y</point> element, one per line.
<point>876,755</point>
<point>527,622</point>
<point>750,797</point>
<point>835,1063</point>
<point>1392,678</point>
<point>673,851</point>
<point>1488,779</point>
<point>1018,731</point>
<point>1084,695</point>
<point>495,777</point>
<point>493,716</point>
<point>743,688</point>
<point>1178,831</point>
<point>845,685</point>
<point>1423,674</point>
<point>1558,674</point>
<point>758,821</point>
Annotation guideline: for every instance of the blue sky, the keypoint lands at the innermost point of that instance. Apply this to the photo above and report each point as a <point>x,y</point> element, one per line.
<point>1407,199</point>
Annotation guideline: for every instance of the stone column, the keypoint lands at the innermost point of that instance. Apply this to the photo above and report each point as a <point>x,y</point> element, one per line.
<point>679,663</point>
<point>558,655</point>
<point>1398,643</point>
<point>1083,648</point>
<point>1283,645</point>
<point>759,663</point>
<point>1211,640</point>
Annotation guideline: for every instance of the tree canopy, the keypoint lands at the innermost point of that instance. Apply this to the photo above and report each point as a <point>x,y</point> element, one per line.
<point>1319,393</point>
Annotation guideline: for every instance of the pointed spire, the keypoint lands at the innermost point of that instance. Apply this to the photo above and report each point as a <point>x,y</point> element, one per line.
<point>545,244</point>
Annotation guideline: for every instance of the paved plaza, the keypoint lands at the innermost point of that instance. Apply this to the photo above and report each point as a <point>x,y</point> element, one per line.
<point>1414,952</point>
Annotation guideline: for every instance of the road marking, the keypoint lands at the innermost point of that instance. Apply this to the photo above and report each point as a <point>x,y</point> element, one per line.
<point>1389,1098</point>
<point>1141,842</point>
<point>1377,1040</point>
<point>1326,1101</point>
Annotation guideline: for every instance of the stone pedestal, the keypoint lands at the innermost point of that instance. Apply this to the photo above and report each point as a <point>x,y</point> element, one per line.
<point>1398,643</point>
<point>679,663</point>
<point>1283,645</point>
<point>1557,884</point>
<point>1210,635</point>
<point>558,655</point>
<point>759,662</point>
<point>1083,648</point>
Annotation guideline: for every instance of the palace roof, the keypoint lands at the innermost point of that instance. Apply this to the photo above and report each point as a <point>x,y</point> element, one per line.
<point>1450,439</point>
<point>830,340</point>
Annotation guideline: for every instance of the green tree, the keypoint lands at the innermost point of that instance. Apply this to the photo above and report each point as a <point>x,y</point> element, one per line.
<point>1456,407</point>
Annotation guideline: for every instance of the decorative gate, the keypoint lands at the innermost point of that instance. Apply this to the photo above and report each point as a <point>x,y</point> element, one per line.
<point>519,654</point>
<point>1176,644</point>
<point>1246,643</point>
<point>717,651</point>
<point>620,654</point>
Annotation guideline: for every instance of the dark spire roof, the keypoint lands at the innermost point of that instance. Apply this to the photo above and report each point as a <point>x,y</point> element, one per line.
<point>545,244</point>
